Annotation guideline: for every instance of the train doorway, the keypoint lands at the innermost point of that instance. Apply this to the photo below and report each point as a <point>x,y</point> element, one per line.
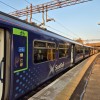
<point>1,60</point>
<point>5,45</point>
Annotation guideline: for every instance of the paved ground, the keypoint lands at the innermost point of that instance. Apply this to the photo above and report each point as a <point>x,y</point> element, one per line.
<point>92,91</point>
<point>62,88</point>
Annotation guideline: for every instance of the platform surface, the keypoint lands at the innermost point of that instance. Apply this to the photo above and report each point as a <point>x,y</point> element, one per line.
<point>92,91</point>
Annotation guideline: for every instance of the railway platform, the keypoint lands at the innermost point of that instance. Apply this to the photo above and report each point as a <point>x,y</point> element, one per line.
<point>80,83</point>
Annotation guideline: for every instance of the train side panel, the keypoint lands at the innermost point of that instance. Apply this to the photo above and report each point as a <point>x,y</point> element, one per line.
<point>29,72</point>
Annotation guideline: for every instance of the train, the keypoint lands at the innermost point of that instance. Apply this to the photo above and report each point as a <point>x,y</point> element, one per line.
<point>30,55</point>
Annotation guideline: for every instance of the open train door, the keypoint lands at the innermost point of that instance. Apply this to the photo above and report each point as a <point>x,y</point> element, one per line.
<point>4,64</point>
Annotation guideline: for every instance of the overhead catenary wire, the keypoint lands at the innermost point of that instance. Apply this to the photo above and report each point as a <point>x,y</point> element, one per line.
<point>71,32</point>
<point>35,19</point>
<point>16,9</point>
<point>66,28</point>
<point>59,31</point>
<point>8,5</point>
<point>49,26</point>
<point>54,4</point>
<point>60,24</point>
<point>27,1</point>
<point>50,5</point>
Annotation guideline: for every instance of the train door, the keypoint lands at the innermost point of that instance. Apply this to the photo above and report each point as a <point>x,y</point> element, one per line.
<point>72,54</point>
<point>4,64</point>
<point>1,60</point>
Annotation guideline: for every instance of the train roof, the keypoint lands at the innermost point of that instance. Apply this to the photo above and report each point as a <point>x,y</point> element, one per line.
<point>23,24</point>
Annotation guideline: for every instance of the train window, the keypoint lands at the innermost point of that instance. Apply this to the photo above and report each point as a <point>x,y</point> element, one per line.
<point>51,51</point>
<point>39,44</point>
<point>40,55</point>
<point>87,49</point>
<point>62,53</point>
<point>79,49</point>
<point>63,46</point>
<point>51,54</point>
<point>51,45</point>
<point>44,51</point>
<point>63,50</point>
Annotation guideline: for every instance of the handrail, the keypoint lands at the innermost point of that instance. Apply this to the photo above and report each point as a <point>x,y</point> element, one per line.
<point>1,79</point>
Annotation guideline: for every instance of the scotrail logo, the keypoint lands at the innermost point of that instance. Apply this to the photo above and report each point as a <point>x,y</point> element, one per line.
<point>55,68</point>
<point>58,67</point>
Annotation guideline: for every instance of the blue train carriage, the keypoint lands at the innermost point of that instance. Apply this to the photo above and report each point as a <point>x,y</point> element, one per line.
<point>29,56</point>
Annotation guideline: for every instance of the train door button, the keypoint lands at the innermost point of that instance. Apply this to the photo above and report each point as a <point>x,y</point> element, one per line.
<point>21,64</point>
<point>21,54</point>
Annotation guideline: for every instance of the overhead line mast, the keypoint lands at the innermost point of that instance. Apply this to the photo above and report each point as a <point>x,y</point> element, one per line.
<point>46,7</point>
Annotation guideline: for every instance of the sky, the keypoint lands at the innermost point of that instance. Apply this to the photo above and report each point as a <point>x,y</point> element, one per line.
<point>75,21</point>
